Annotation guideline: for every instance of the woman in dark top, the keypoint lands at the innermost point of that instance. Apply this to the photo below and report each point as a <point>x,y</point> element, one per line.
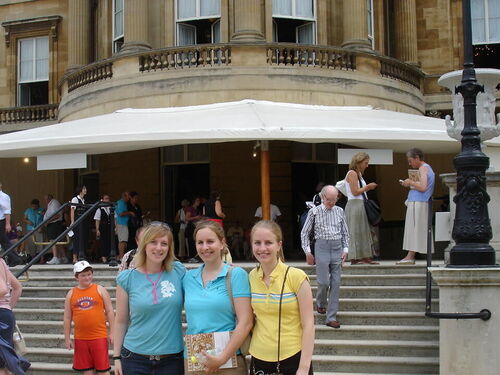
<point>213,208</point>
<point>135,221</point>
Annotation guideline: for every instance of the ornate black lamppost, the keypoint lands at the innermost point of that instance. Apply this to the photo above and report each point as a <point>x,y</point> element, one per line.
<point>472,228</point>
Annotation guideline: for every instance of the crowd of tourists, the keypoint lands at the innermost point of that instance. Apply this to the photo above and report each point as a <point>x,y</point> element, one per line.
<point>271,307</point>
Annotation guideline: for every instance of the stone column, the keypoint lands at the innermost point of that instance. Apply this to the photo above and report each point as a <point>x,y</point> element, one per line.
<point>493,190</point>
<point>355,25</point>
<point>247,21</point>
<point>135,26</point>
<point>468,346</point>
<point>406,29</point>
<point>78,34</point>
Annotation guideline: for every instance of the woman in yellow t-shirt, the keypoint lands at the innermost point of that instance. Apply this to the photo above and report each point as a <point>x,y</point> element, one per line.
<point>283,335</point>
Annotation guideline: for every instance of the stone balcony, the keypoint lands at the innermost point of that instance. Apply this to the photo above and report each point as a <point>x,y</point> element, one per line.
<point>202,74</point>
<point>21,118</point>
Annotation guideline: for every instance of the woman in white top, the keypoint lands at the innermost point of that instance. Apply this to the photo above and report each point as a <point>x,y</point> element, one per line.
<point>360,239</point>
<point>79,230</point>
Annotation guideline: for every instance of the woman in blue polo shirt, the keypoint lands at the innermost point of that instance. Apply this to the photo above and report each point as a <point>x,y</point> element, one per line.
<point>207,304</point>
<point>148,327</point>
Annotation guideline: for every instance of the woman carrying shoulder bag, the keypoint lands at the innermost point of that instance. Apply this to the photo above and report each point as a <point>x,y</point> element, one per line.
<point>360,238</point>
<point>10,291</point>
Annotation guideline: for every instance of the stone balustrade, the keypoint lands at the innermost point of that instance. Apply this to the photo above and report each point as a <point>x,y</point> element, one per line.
<point>89,74</point>
<point>396,69</point>
<point>36,113</point>
<point>185,57</point>
<point>311,56</point>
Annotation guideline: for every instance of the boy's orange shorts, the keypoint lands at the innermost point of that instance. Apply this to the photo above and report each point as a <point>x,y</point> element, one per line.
<point>91,354</point>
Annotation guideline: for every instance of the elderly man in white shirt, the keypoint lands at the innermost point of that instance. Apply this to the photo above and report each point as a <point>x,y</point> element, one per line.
<point>275,212</point>
<point>13,258</point>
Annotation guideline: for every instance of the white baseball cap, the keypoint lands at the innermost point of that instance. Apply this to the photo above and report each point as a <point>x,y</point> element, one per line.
<point>80,266</point>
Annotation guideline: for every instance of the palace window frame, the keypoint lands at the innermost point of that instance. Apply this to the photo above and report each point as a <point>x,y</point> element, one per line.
<point>483,7</point>
<point>303,22</point>
<point>38,78</point>
<point>195,24</point>
<point>118,39</point>
<point>371,22</point>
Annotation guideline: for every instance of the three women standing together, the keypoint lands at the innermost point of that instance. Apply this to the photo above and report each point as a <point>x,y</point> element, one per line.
<point>148,331</point>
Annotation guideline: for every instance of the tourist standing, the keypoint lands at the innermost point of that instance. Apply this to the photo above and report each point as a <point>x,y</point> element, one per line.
<point>417,211</point>
<point>12,258</point>
<point>33,216</point>
<point>80,231</point>
<point>54,228</point>
<point>149,299</point>
<point>283,335</point>
<point>213,208</point>
<point>360,238</point>
<point>103,219</point>
<point>208,303</point>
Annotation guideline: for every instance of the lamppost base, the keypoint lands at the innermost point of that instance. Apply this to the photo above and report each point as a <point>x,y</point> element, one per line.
<point>472,255</point>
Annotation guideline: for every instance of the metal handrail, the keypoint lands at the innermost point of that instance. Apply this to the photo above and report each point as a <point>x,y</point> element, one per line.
<point>89,210</point>
<point>31,232</point>
<point>484,314</point>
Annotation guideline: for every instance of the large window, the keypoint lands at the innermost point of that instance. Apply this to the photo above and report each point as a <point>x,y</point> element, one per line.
<point>371,32</point>
<point>294,21</point>
<point>33,71</point>
<point>198,22</point>
<point>486,33</point>
<point>118,27</point>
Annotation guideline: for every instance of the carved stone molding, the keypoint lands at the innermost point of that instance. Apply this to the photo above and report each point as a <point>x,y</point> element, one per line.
<point>49,23</point>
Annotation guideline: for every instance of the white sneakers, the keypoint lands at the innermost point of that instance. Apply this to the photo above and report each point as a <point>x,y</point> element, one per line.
<point>56,260</point>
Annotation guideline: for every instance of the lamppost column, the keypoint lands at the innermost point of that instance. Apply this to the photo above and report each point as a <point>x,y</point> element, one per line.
<point>136,26</point>
<point>78,34</point>
<point>406,29</point>
<point>355,25</point>
<point>247,21</point>
<point>471,229</point>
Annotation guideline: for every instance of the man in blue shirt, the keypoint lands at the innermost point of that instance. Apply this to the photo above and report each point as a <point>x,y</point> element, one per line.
<point>32,217</point>
<point>122,216</point>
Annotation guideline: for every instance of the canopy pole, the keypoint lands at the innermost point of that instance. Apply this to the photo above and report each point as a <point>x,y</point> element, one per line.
<point>265,185</point>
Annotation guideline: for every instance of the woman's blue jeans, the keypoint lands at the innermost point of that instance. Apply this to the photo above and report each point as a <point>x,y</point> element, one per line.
<point>136,364</point>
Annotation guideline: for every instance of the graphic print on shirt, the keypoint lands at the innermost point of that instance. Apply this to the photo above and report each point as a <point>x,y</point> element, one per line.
<point>167,289</point>
<point>85,303</point>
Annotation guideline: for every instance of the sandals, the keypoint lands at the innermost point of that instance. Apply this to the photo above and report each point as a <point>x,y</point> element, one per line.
<point>406,261</point>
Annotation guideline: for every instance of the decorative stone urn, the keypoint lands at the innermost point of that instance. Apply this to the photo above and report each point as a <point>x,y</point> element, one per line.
<point>485,110</point>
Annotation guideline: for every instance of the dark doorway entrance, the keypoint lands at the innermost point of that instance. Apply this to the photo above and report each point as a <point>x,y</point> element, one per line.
<point>184,181</point>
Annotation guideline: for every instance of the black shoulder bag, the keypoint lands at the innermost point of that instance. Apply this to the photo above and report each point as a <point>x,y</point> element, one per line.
<point>373,212</point>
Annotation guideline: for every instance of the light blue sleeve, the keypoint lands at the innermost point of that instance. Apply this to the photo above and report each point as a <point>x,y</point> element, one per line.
<point>120,207</point>
<point>123,280</point>
<point>239,283</point>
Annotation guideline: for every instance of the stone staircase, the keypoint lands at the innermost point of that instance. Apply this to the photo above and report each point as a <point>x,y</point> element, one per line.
<point>383,331</point>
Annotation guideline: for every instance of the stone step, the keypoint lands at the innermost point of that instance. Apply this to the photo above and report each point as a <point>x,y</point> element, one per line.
<point>35,341</point>
<point>391,348</point>
<point>53,291</point>
<point>67,281</point>
<point>385,332</point>
<point>346,304</point>
<point>376,365</point>
<point>395,318</point>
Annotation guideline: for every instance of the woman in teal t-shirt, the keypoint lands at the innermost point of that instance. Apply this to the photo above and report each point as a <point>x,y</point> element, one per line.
<point>207,304</point>
<point>149,298</point>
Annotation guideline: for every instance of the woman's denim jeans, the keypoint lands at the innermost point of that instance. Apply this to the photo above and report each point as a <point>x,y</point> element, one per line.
<point>135,364</point>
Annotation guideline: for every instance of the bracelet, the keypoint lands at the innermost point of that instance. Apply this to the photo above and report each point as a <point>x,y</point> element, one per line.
<point>115,357</point>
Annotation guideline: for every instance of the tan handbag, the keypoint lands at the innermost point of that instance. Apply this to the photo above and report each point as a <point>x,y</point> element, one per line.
<point>19,343</point>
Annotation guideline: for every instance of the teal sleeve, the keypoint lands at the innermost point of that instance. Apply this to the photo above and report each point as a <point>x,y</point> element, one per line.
<point>239,283</point>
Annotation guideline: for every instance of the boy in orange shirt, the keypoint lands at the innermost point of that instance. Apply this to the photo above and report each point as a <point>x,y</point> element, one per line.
<point>89,306</point>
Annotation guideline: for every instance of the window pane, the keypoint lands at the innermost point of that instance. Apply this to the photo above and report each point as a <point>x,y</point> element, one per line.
<point>42,69</point>
<point>26,71</point>
<point>187,34</point>
<point>118,24</point>
<point>118,5</point>
<point>26,48</point>
<point>304,8</point>
<point>209,8</point>
<point>186,9</point>
<point>305,33</point>
<point>282,7</point>
<point>370,24</point>
<point>173,154</point>
<point>478,22</point>
<point>42,48</point>
<point>216,32</point>
<point>198,152</point>
<point>494,21</point>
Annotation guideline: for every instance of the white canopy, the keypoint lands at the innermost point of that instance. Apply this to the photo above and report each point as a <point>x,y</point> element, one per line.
<point>135,129</point>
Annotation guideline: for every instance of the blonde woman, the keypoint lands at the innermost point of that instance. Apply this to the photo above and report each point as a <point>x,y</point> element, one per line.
<point>149,299</point>
<point>360,238</point>
<point>208,306</point>
<point>283,335</point>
